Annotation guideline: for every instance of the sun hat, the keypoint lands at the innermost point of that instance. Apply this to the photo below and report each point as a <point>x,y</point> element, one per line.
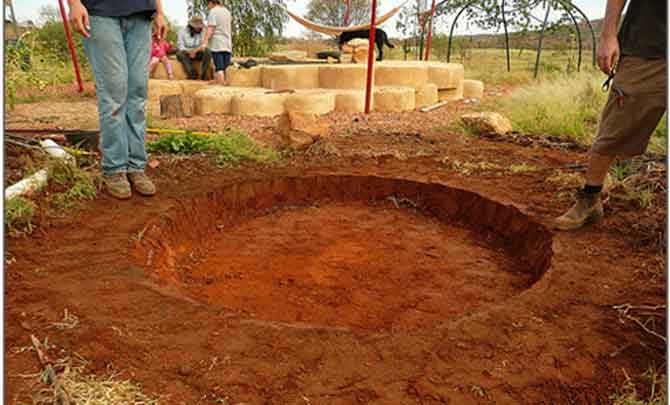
<point>196,22</point>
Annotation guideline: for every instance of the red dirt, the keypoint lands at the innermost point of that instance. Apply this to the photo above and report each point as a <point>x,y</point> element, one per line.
<point>557,342</point>
<point>341,264</point>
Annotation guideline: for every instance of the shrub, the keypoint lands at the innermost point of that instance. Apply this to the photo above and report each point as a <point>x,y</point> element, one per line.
<point>566,107</point>
<point>229,148</point>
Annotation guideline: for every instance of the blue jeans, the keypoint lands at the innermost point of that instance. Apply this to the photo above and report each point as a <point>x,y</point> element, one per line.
<point>119,50</point>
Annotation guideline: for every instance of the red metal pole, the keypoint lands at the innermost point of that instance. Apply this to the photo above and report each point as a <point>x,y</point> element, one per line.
<point>71,45</point>
<point>430,31</point>
<point>371,57</point>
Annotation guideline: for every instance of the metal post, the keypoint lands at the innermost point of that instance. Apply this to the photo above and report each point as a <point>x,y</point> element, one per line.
<point>422,33</point>
<point>430,31</point>
<point>504,19</point>
<point>588,22</point>
<point>14,23</point>
<point>371,57</point>
<point>347,12</point>
<point>539,42</point>
<point>71,45</point>
<point>579,34</point>
<point>453,26</point>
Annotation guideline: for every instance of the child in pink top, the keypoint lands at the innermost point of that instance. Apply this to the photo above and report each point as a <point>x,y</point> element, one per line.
<point>159,51</point>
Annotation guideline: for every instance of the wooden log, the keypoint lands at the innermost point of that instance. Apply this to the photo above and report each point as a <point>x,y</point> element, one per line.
<point>434,106</point>
<point>176,106</point>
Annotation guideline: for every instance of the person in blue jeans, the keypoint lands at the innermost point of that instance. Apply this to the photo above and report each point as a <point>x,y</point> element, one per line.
<point>117,38</point>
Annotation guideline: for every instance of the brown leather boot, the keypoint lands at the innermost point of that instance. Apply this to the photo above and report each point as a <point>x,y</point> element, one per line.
<point>117,186</point>
<point>142,184</point>
<point>587,208</point>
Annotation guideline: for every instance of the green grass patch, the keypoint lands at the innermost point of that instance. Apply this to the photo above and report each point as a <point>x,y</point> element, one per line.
<point>72,183</point>
<point>187,144</point>
<point>621,170</point>
<point>229,148</point>
<point>659,139</point>
<point>237,147</point>
<point>567,107</point>
<point>19,214</point>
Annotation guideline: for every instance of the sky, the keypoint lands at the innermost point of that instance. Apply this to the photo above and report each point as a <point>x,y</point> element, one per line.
<point>176,10</point>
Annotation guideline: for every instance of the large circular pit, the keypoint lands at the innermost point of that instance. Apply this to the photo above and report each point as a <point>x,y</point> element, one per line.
<point>359,252</point>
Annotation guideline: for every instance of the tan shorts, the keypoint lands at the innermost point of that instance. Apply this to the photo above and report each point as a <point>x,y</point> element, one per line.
<point>626,124</point>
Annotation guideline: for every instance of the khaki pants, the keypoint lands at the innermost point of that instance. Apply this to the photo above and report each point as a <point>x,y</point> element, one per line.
<point>628,121</point>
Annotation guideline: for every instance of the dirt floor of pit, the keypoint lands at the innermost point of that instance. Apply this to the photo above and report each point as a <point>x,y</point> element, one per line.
<point>555,343</point>
<point>349,265</point>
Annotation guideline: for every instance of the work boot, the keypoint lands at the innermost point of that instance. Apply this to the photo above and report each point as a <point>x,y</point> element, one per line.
<point>587,208</point>
<point>117,186</point>
<point>142,184</point>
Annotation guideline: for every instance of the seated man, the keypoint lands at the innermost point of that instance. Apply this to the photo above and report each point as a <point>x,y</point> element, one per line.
<point>189,44</point>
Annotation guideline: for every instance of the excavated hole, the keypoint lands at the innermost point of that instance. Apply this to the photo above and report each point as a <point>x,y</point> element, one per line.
<point>360,252</point>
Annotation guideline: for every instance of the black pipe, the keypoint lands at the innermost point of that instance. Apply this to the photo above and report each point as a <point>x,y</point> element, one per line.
<point>588,22</point>
<point>578,31</point>
<point>539,42</point>
<point>509,66</point>
<point>453,26</point>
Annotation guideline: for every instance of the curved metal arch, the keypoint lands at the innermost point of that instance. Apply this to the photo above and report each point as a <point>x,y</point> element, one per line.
<point>568,5</point>
<point>579,36</point>
<point>539,41</point>
<point>453,26</point>
<point>588,22</point>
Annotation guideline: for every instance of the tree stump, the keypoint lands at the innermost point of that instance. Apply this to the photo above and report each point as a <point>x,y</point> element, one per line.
<point>176,106</point>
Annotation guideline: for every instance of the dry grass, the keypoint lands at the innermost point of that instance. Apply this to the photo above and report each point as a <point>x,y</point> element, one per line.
<point>66,380</point>
<point>522,168</point>
<point>565,180</point>
<point>470,168</point>
<point>566,107</point>
<point>81,387</point>
<point>653,381</point>
<point>70,321</point>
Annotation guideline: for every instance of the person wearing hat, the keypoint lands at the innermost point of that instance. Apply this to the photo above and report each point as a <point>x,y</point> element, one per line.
<point>189,44</point>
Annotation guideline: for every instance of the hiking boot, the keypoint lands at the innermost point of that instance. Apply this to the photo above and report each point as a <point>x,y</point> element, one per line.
<point>587,208</point>
<point>117,186</point>
<point>142,184</point>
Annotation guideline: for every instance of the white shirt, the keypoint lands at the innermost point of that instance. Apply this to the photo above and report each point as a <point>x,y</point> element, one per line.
<point>186,42</point>
<point>221,40</point>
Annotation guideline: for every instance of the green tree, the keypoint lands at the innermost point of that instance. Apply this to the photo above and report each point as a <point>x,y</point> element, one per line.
<point>48,13</point>
<point>408,25</point>
<point>52,38</point>
<point>257,24</point>
<point>331,12</point>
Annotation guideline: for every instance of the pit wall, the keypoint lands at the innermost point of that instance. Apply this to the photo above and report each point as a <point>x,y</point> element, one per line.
<point>181,234</point>
<point>273,90</point>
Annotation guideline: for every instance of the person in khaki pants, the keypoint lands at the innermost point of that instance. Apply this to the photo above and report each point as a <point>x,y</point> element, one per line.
<point>635,61</point>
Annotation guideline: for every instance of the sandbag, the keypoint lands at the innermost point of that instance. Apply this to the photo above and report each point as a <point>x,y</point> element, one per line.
<point>394,99</point>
